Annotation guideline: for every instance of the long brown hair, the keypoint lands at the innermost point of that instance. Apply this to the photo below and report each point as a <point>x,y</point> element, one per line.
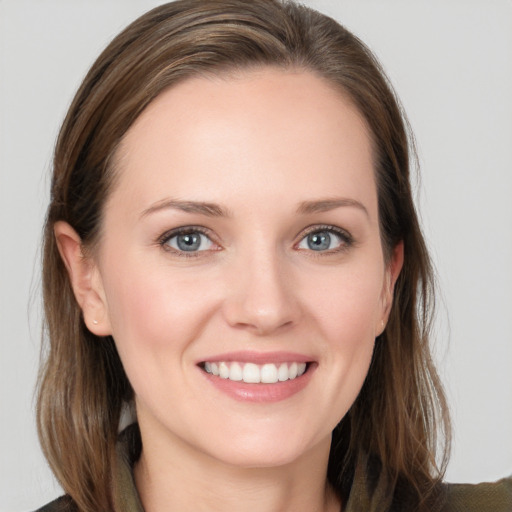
<point>83,387</point>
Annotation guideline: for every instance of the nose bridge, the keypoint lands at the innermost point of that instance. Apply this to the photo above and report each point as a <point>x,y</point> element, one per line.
<point>260,296</point>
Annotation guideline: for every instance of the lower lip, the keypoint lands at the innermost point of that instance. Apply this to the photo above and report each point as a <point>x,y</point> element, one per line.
<point>263,393</point>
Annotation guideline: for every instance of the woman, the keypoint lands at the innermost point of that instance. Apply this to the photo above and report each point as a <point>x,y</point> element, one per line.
<point>232,248</point>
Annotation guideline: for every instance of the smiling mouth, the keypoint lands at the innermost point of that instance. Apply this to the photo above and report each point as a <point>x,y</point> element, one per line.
<point>252,373</point>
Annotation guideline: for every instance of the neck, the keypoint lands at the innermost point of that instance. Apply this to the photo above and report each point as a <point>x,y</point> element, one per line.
<point>174,476</point>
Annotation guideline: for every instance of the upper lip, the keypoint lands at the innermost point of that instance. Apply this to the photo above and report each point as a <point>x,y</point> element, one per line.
<point>259,357</point>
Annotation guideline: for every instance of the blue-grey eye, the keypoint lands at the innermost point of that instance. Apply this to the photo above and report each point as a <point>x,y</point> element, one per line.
<point>322,240</point>
<point>192,241</point>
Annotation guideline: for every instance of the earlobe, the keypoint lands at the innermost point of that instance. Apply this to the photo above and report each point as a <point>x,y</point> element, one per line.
<point>84,278</point>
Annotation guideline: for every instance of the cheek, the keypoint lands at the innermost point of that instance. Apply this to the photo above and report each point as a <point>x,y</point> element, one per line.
<point>346,309</point>
<point>154,310</point>
<point>155,316</point>
<point>347,305</point>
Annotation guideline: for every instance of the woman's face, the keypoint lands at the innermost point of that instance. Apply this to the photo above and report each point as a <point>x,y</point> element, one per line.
<point>241,241</point>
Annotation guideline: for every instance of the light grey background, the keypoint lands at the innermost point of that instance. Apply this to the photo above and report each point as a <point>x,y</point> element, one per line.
<point>451,62</point>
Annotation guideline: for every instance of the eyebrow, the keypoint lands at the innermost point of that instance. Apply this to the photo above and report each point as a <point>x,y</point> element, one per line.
<point>215,210</point>
<point>200,207</point>
<point>325,205</point>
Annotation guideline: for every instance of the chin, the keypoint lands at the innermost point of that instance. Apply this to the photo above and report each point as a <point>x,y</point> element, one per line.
<point>266,452</point>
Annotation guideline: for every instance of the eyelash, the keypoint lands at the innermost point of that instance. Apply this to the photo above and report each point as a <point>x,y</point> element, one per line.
<point>345,237</point>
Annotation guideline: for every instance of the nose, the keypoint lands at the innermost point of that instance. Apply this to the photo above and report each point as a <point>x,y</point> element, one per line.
<point>260,294</point>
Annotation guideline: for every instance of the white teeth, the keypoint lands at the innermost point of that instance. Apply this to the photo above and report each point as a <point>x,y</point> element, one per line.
<point>269,373</point>
<point>223,370</point>
<point>282,373</point>
<point>251,373</point>
<point>235,372</point>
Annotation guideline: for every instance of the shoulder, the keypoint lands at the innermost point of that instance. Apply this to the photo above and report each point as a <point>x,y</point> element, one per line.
<point>62,504</point>
<point>492,497</point>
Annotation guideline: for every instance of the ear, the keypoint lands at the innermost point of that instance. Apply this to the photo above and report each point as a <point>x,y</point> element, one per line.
<point>85,279</point>
<point>392,272</point>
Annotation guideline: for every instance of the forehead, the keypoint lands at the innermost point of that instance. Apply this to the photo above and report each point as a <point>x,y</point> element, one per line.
<point>262,130</point>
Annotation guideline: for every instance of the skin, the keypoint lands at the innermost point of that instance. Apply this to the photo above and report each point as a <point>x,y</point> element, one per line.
<point>259,144</point>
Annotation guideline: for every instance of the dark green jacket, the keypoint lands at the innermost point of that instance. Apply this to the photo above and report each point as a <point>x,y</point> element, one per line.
<point>487,497</point>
